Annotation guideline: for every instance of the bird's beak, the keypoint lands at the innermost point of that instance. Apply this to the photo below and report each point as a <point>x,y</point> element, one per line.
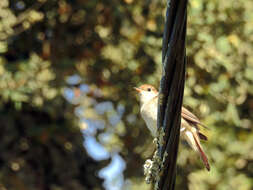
<point>137,89</point>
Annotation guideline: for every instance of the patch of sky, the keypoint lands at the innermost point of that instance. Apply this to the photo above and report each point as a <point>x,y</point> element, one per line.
<point>74,79</point>
<point>113,173</point>
<point>84,88</point>
<point>120,109</point>
<point>102,107</point>
<point>20,5</point>
<point>93,126</point>
<point>79,111</point>
<point>95,149</point>
<point>68,93</point>
<point>114,119</point>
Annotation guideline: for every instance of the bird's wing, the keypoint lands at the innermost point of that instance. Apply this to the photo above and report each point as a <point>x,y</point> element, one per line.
<point>185,113</point>
<point>190,117</point>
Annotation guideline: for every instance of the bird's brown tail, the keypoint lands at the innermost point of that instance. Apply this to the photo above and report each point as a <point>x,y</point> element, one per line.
<point>202,154</point>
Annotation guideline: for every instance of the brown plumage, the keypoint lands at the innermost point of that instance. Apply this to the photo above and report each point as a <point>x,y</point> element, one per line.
<point>193,120</point>
<point>189,122</point>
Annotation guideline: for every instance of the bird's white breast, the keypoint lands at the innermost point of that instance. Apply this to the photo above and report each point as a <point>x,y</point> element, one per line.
<point>149,114</point>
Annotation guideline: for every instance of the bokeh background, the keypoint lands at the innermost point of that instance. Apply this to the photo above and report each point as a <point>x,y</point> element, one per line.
<point>69,118</point>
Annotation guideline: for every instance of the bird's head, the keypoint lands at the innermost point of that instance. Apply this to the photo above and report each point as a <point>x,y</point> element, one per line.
<point>146,92</point>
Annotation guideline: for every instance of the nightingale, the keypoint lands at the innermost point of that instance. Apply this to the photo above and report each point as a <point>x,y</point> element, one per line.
<point>189,122</point>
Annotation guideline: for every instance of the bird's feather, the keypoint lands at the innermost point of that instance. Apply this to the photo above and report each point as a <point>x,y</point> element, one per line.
<point>190,117</point>
<point>191,135</point>
<point>202,136</point>
<point>202,153</point>
<point>189,122</point>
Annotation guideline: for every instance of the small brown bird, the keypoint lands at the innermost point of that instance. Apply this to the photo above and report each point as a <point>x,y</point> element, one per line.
<point>189,122</point>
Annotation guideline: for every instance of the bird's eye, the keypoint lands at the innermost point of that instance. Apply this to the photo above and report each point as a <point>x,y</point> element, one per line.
<point>149,89</point>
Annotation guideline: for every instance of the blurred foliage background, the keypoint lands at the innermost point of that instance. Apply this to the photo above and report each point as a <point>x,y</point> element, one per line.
<point>67,69</point>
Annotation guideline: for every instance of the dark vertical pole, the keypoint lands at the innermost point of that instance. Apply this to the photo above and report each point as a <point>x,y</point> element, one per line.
<point>171,91</point>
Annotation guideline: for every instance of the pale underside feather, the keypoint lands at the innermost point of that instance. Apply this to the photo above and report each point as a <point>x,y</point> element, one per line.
<point>189,129</point>
<point>149,114</point>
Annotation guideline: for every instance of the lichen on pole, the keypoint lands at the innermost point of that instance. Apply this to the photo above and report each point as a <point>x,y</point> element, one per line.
<point>171,92</point>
